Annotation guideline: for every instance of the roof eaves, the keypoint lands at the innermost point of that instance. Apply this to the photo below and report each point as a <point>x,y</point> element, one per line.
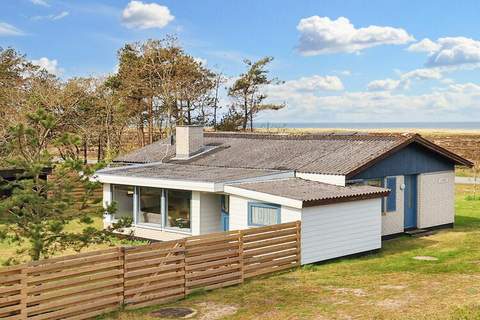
<point>339,199</point>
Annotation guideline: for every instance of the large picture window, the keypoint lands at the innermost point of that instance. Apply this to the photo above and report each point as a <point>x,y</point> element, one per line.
<point>123,197</point>
<point>178,213</point>
<point>150,205</point>
<point>263,214</point>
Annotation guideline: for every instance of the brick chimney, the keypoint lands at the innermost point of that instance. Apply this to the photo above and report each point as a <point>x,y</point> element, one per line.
<point>188,141</point>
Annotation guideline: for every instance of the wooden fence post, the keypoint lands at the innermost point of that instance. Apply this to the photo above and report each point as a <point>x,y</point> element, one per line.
<point>184,254</point>
<point>122,257</point>
<point>240,253</point>
<point>23,292</point>
<point>299,242</point>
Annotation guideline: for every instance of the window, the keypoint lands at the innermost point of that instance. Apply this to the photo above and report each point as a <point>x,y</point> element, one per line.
<point>389,203</point>
<point>123,197</point>
<point>374,182</point>
<point>150,205</point>
<point>263,214</point>
<point>178,204</point>
<point>391,199</point>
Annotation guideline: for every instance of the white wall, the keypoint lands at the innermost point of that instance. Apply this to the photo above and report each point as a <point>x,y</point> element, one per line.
<point>107,197</point>
<point>195,213</point>
<point>393,222</point>
<point>341,229</point>
<point>210,213</point>
<point>436,199</point>
<point>239,213</point>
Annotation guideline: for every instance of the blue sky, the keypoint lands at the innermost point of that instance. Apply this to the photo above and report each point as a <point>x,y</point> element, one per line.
<point>340,60</point>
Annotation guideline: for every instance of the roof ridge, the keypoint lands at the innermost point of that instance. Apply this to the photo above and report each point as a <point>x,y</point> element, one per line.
<point>309,136</point>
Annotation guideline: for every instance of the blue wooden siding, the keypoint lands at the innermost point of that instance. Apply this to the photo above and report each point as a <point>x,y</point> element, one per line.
<point>413,159</point>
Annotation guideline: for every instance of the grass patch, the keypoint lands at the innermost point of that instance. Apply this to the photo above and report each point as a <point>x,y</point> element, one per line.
<point>386,285</point>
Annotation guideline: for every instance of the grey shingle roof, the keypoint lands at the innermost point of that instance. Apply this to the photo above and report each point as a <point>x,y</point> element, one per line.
<point>313,192</point>
<point>188,172</point>
<point>321,153</point>
<point>154,152</point>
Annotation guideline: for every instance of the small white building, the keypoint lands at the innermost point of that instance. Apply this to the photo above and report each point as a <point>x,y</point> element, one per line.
<point>348,190</point>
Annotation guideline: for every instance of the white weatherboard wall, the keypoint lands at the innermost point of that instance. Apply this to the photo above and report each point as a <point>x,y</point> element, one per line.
<point>210,213</point>
<point>436,199</point>
<point>238,215</point>
<point>340,229</point>
<point>392,222</point>
<point>107,197</point>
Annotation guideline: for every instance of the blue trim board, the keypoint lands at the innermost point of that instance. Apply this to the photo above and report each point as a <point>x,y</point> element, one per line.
<point>262,205</point>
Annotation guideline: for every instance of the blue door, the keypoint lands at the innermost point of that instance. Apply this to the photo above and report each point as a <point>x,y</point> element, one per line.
<point>225,205</point>
<point>225,221</point>
<point>410,202</point>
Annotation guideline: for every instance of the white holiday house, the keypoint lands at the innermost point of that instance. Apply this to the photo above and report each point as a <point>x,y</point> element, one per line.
<point>348,190</point>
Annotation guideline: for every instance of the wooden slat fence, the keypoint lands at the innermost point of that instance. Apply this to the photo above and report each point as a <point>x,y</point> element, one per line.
<point>86,285</point>
<point>154,274</point>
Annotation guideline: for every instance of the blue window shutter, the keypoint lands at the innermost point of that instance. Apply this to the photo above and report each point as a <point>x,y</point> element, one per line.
<point>392,197</point>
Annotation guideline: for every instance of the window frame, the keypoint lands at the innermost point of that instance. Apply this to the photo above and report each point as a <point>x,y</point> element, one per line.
<point>384,182</point>
<point>137,210</point>
<point>112,199</point>
<point>165,212</point>
<point>252,204</point>
<point>392,193</point>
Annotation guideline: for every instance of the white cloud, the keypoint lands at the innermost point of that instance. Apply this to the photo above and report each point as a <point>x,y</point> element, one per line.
<point>344,72</point>
<point>314,83</point>
<point>61,15</point>
<point>425,45</point>
<point>423,74</point>
<point>139,15</point>
<point>455,51</point>
<point>457,102</point>
<point>384,85</point>
<point>52,17</point>
<point>40,3</point>
<point>7,29</point>
<point>405,79</point>
<point>321,35</point>
<point>49,65</point>
<point>449,51</point>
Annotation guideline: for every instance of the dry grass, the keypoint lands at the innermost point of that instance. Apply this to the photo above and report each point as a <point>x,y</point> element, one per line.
<point>426,132</point>
<point>387,285</point>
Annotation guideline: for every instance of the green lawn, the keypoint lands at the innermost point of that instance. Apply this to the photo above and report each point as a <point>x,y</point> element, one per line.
<point>386,285</point>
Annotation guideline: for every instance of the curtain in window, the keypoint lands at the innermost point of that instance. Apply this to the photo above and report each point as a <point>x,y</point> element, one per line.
<point>263,215</point>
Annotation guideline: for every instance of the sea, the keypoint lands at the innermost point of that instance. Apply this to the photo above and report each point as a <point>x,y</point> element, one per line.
<point>371,125</point>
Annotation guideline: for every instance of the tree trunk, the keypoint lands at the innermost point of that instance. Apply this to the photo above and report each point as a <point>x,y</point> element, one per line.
<point>99,149</point>
<point>141,133</point>
<point>85,150</point>
<point>150,120</point>
<point>189,114</point>
<point>245,114</point>
<point>251,121</point>
<point>215,106</point>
